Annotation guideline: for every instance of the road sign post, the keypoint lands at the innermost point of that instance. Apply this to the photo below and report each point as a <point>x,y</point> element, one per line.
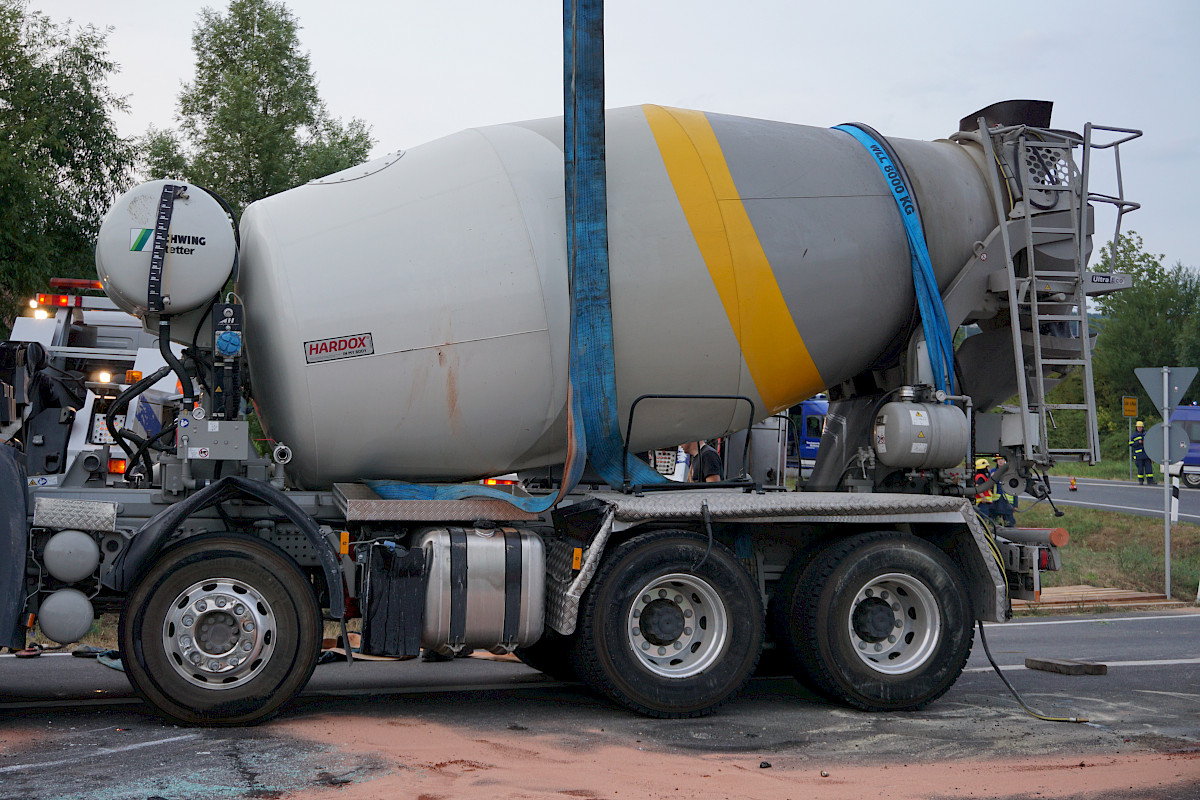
<point>1166,386</point>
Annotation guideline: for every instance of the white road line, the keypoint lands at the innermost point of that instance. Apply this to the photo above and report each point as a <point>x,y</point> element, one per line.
<point>1002,625</point>
<point>104,751</point>
<point>1109,506</point>
<point>1166,662</point>
<point>40,655</point>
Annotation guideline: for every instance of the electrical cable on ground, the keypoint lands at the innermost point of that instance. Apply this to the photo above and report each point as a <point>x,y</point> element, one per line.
<point>1021,702</point>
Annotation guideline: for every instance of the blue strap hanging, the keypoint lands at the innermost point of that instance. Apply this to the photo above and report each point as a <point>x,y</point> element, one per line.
<point>593,427</point>
<point>938,338</point>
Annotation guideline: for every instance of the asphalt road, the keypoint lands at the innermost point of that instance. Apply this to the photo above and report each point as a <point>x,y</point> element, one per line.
<point>1124,496</point>
<point>71,728</point>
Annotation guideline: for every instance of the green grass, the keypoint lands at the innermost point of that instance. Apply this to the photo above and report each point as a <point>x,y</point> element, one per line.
<point>1117,469</point>
<point>1121,551</point>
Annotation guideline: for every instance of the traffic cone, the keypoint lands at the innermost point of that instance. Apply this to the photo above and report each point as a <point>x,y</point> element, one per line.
<point>1073,487</point>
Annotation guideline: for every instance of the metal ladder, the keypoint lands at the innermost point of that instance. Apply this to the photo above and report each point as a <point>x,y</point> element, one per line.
<point>1047,293</point>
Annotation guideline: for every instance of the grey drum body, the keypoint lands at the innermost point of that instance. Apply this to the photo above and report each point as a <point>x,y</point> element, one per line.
<point>486,589</point>
<point>409,318</point>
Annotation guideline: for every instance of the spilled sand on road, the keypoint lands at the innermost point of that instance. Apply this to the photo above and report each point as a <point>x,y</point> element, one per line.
<point>430,761</point>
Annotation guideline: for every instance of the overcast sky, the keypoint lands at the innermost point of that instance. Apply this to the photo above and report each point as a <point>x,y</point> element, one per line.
<point>415,71</point>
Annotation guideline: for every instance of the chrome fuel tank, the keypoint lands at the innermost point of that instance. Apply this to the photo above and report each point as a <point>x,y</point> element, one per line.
<point>409,318</point>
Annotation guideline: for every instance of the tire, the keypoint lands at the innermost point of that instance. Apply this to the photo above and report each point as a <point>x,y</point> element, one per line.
<point>881,622</point>
<point>223,630</point>
<point>662,639</point>
<point>1191,480</point>
<point>551,654</point>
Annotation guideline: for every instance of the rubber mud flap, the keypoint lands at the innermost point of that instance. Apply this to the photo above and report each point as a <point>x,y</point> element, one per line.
<point>14,541</point>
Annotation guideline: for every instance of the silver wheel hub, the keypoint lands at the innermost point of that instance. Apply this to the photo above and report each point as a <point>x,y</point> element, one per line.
<point>219,633</point>
<point>677,626</point>
<point>894,623</point>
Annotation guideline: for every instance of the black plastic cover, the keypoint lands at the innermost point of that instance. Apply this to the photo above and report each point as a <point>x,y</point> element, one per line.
<point>14,544</point>
<point>1035,113</point>
<point>394,602</point>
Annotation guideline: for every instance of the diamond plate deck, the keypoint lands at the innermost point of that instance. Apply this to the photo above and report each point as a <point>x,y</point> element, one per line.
<point>84,515</point>
<point>360,504</point>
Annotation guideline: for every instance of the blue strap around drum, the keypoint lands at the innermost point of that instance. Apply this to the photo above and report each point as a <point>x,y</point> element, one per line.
<point>929,298</point>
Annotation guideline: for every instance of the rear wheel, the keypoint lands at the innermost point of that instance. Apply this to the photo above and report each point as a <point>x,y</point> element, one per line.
<point>223,630</point>
<point>1191,480</point>
<point>669,627</point>
<point>880,621</point>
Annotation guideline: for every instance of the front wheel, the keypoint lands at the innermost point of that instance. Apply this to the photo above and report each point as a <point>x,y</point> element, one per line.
<point>670,627</point>
<point>1191,480</point>
<point>223,630</point>
<point>880,621</point>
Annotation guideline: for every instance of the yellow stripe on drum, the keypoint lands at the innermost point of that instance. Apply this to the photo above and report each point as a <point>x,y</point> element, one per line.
<point>782,369</point>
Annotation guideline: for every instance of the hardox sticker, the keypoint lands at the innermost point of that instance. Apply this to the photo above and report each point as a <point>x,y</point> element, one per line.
<point>360,344</point>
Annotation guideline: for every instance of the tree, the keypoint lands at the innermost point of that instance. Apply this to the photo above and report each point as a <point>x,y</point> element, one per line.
<point>1153,324</point>
<point>61,160</point>
<point>252,122</point>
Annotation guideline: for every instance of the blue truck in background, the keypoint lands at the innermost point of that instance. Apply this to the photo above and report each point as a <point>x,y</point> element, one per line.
<point>1189,418</point>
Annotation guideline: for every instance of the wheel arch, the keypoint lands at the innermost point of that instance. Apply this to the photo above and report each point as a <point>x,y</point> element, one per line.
<point>150,540</point>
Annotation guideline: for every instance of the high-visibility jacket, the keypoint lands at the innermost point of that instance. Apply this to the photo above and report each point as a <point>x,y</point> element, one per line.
<point>1138,443</point>
<point>990,496</point>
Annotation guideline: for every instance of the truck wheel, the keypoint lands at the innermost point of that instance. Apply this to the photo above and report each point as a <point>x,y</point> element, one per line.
<point>880,621</point>
<point>551,654</point>
<point>1191,480</point>
<point>669,627</point>
<point>223,630</point>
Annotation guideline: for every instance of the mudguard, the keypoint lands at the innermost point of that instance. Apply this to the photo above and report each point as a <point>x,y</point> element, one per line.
<point>150,539</point>
<point>14,544</point>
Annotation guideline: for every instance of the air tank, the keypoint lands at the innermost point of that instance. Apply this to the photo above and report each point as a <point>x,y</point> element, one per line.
<point>409,318</point>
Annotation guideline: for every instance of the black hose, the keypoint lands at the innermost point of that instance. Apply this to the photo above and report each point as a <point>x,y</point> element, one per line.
<point>149,444</point>
<point>1027,709</point>
<point>164,348</point>
<point>122,401</point>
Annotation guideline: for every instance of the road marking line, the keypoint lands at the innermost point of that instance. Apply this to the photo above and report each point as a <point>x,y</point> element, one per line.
<point>104,751</point>
<point>1002,625</point>
<point>1167,662</point>
<point>1069,502</point>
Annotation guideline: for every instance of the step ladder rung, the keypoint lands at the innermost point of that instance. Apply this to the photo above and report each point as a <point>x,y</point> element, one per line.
<point>1058,317</point>
<point>1052,275</point>
<point>1064,362</point>
<point>1051,229</point>
<point>1066,407</point>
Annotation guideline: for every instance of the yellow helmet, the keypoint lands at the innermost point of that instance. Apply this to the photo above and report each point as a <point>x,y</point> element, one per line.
<point>982,463</point>
<point>1140,424</point>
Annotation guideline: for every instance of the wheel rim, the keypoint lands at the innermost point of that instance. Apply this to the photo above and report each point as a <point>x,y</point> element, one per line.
<point>219,633</point>
<point>894,623</point>
<point>677,625</point>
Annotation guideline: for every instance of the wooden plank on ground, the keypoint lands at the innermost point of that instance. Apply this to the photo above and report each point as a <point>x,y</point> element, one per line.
<point>1066,666</point>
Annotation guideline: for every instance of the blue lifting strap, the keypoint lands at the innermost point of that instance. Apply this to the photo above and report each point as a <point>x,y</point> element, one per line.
<point>929,298</point>
<point>593,426</point>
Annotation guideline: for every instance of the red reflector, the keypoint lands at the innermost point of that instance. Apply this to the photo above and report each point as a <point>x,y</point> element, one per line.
<point>75,283</point>
<point>61,300</point>
<point>498,482</point>
<point>116,466</point>
<point>1043,558</point>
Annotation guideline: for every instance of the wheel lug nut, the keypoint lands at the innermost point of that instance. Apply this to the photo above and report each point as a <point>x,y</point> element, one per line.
<point>662,593</point>
<point>870,593</point>
<point>194,657</point>
<point>678,646</point>
<point>645,598</point>
<point>687,631</point>
<point>186,641</point>
<point>899,624</point>
<point>678,598</point>
<point>637,631</point>
<point>883,595</point>
<point>221,602</point>
<point>247,645</point>
<point>214,665</point>
<point>645,645</point>
<point>878,647</point>
<point>239,609</point>
<point>895,606</point>
<point>687,613</point>
<point>233,662</point>
<point>189,622</point>
<point>201,605</point>
<point>662,651</point>
<point>892,639</point>
<point>248,626</point>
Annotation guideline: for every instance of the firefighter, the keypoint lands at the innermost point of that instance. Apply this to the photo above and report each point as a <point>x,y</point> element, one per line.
<point>985,502</point>
<point>1005,503</point>
<point>1141,461</point>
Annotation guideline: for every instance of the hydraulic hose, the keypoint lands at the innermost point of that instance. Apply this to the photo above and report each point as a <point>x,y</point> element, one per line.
<point>1021,702</point>
<point>122,402</point>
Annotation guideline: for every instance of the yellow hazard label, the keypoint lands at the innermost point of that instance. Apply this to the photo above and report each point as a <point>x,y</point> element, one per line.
<point>577,558</point>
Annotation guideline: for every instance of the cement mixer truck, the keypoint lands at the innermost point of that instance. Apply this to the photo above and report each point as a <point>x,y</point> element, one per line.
<point>408,327</point>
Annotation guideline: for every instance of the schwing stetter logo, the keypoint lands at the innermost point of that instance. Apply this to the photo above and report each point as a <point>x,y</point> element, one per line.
<point>142,239</point>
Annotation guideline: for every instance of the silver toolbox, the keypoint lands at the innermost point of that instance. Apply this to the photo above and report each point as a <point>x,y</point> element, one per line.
<point>486,588</point>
